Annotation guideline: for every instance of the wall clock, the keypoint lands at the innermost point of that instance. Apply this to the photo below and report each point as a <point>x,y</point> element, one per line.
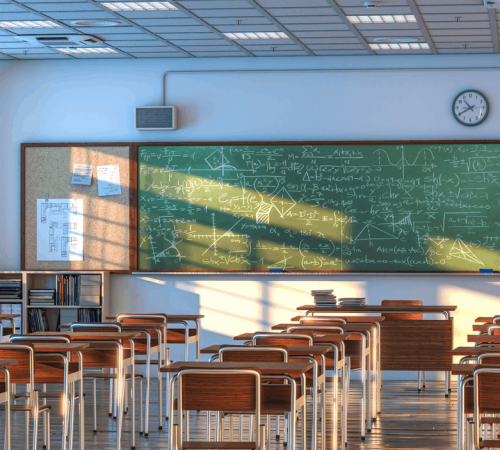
<point>470,108</point>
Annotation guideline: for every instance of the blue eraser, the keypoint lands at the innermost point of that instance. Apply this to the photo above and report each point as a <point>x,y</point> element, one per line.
<point>275,270</point>
<point>485,270</point>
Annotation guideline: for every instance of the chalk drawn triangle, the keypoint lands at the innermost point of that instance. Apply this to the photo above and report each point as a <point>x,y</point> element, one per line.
<point>461,251</point>
<point>306,177</point>
<point>373,233</point>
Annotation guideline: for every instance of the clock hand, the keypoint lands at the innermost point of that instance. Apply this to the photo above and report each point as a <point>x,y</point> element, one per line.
<point>470,107</point>
<point>465,101</point>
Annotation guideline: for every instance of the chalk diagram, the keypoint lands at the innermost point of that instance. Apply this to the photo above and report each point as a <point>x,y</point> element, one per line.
<point>461,251</point>
<point>217,161</point>
<point>423,155</point>
<point>59,230</point>
<point>372,233</point>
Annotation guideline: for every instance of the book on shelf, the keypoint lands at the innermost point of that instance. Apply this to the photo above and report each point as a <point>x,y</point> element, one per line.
<point>10,288</point>
<point>42,297</point>
<point>76,290</point>
<point>37,319</point>
<point>89,315</point>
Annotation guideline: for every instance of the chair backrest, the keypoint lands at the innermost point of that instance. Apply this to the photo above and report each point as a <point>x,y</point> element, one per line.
<point>486,392</point>
<point>402,316</point>
<point>219,390</point>
<point>316,330</point>
<point>321,320</point>
<point>283,339</point>
<point>96,327</point>
<point>24,371</point>
<point>246,353</point>
<point>23,338</point>
<point>141,318</point>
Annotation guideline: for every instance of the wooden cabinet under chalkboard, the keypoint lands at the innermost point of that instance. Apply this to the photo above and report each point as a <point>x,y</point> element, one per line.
<point>373,207</point>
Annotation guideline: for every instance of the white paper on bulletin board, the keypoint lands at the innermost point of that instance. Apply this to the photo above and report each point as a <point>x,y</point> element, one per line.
<point>59,230</point>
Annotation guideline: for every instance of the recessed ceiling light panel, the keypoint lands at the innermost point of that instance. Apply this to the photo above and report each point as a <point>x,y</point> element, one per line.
<point>78,50</point>
<point>396,40</point>
<point>95,23</point>
<point>401,46</point>
<point>140,6</point>
<point>383,19</point>
<point>29,24</point>
<point>258,35</point>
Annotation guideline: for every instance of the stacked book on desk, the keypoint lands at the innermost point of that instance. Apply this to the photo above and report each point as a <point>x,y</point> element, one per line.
<point>10,288</point>
<point>352,301</point>
<point>42,297</point>
<point>324,298</point>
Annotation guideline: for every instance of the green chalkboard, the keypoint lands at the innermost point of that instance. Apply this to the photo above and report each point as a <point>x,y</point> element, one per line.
<point>319,207</point>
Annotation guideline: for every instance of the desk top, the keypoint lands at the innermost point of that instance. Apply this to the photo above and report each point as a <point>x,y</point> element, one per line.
<point>349,319</point>
<point>142,326</point>
<point>474,351</point>
<point>430,309</point>
<point>485,326</point>
<point>295,350</point>
<point>346,327</point>
<point>483,338</point>
<point>168,316</point>
<point>267,368</point>
<point>9,316</point>
<point>249,336</point>
<point>90,336</point>
<point>486,319</point>
<point>47,347</point>
<point>7,363</point>
<point>468,369</point>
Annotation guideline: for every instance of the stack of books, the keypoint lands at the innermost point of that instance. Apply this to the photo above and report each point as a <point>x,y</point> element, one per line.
<point>89,315</point>
<point>37,319</point>
<point>324,298</point>
<point>68,290</point>
<point>42,297</point>
<point>352,302</point>
<point>10,288</point>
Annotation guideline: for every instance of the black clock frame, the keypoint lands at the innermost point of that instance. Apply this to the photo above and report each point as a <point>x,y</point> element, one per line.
<point>470,124</point>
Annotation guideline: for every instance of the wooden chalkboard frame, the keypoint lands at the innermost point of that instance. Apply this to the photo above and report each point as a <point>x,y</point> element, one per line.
<point>302,272</point>
<point>133,200</point>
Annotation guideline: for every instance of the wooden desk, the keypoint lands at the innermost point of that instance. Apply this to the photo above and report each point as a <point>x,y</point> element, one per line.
<point>420,345</point>
<point>486,319</point>
<point>266,368</point>
<point>474,351</point>
<point>355,319</point>
<point>91,336</point>
<point>485,327</point>
<point>295,350</point>
<point>249,336</point>
<point>7,363</point>
<point>483,338</point>
<point>47,347</point>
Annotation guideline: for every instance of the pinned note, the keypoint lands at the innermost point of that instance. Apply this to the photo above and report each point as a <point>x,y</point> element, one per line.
<point>108,180</point>
<point>82,174</point>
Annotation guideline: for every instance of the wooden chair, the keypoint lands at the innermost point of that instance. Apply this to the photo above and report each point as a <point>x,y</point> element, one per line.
<point>233,391</point>
<point>25,372</point>
<point>486,402</point>
<point>406,316</point>
<point>95,361</point>
<point>68,391</point>
<point>275,393</point>
<point>5,399</point>
<point>149,346</point>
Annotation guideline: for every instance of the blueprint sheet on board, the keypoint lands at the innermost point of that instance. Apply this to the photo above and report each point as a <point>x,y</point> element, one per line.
<point>59,230</point>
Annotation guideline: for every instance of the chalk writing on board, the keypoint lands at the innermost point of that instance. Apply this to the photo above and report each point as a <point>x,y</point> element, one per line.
<point>320,207</point>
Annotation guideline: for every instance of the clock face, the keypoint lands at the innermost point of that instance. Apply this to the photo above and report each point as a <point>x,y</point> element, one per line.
<point>470,108</point>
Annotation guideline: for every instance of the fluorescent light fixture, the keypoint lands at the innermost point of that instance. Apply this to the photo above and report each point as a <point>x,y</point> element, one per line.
<point>30,24</point>
<point>399,18</point>
<point>257,35</point>
<point>140,6</point>
<point>78,50</point>
<point>401,46</point>
<point>95,23</point>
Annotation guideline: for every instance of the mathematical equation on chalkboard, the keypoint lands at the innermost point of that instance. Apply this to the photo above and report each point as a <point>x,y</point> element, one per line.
<point>320,207</point>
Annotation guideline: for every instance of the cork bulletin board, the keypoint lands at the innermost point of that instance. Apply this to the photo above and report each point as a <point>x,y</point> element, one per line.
<point>109,222</point>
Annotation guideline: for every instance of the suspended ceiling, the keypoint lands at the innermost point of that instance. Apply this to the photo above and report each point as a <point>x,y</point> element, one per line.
<point>206,28</point>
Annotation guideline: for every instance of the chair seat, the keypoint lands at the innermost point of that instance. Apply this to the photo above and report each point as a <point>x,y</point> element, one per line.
<point>26,407</point>
<point>46,395</point>
<point>212,445</point>
<point>489,444</point>
<point>108,376</point>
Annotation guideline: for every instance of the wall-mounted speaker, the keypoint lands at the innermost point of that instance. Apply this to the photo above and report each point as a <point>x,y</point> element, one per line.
<point>156,118</point>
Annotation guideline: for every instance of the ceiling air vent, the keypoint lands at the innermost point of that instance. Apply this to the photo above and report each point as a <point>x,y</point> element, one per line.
<point>156,118</point>
<point>76,40</point>
<point>495,4</point>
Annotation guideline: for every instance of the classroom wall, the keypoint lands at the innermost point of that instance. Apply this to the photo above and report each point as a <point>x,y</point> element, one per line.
<point>93,101</point>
